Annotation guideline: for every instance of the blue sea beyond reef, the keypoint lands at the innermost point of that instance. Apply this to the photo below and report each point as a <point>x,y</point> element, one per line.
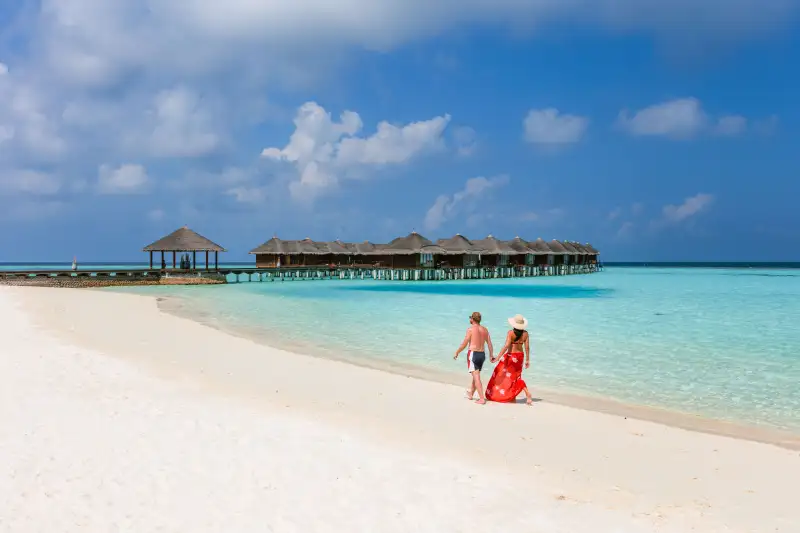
<point>722,343</point>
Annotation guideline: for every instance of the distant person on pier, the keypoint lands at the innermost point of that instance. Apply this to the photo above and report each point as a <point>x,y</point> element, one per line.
<point>506,382</point>
<point>74,263</point>
<point>477,338</point>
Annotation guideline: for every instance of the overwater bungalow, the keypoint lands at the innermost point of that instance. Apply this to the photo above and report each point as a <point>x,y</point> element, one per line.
<point>460,252</point>
<point>417,257</point>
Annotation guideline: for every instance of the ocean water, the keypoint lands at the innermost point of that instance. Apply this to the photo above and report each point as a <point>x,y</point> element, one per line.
<point>719,343</point>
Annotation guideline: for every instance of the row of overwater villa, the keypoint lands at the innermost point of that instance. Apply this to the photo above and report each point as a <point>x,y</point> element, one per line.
<point>415,257</point>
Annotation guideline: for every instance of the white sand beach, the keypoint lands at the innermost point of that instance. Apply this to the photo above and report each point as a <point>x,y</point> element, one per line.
<point>115,416</point>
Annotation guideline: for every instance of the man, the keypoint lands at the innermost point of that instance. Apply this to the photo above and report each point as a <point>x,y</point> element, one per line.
<point>477,337</point>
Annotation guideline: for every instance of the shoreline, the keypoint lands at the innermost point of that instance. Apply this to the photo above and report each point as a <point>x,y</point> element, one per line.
<point>564,463</point>
<point>594,403</point>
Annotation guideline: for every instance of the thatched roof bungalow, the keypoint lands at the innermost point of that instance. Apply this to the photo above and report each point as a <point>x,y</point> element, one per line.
<point>415,251</point>
<point>460,251</point>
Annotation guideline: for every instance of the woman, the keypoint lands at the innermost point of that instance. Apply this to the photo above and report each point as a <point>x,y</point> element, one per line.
<point>506,382</point>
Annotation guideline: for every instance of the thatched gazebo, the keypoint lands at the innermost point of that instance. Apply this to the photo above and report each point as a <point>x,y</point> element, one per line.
<point>184,240</point>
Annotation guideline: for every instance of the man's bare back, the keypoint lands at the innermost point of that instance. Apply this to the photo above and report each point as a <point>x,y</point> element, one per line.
<point>478,337</point>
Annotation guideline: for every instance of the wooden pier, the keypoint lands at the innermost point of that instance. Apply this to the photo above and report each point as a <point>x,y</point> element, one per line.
<point>145,276</point>
<point>402,274</point>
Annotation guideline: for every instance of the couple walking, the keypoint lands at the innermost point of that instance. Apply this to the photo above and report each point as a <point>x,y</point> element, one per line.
<point>506,382</point>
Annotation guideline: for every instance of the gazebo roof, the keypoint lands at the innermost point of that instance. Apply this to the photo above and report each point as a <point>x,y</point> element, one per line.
<point>184,240</point>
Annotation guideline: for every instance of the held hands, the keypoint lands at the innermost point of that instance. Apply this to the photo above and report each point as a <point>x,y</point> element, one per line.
<point>455,356</point>
<point>527,364</point>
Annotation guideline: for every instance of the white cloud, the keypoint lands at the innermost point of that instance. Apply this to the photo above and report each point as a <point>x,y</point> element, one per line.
<point>325,151</point>
<point>731,125</point>
<point>681,118</point>
<point>31,182</point>
<point>625,231</point>
<point>181,126</point>
<point>446,207</point>
<point>548,126</point>
<point>690,207</point>
<point>543,216</point>
<point>466,140</point>
<point>125,179</point>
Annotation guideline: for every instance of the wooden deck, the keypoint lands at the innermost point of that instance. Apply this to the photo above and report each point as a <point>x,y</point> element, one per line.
<point>297,273</point>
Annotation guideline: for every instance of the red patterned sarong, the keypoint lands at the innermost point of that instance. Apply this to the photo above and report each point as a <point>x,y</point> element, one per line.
<point>506,382</point>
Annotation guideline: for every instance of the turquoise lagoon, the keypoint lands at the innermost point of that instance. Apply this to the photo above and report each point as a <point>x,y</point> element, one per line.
<point>719,343</point>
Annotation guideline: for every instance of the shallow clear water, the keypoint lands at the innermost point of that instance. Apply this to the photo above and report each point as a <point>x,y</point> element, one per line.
<point>721,343</point>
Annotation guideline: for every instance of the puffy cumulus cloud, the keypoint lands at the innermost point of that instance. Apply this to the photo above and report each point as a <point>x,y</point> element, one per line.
<point>325,151</point>
<point>125,179</point>
<point>690,207</point>
<point>682,118</point>
<point>463,202</point>
<point>549,127</point>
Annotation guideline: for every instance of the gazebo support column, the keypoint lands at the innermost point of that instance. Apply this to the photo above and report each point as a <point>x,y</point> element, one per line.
<point>206,260</point>
<point>174,256</point>
<point>151,260</point>
<point>163,261</point>
<point>194,260</point>
<point>216,260</point>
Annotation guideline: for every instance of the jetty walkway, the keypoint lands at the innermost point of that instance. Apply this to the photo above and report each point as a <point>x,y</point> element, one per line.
<point>222,275</point>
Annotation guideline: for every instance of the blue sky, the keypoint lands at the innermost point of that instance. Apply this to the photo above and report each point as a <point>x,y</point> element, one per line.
<point>656,130</point>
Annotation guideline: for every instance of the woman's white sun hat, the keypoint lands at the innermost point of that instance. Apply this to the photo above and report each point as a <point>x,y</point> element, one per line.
<point>518,322</point>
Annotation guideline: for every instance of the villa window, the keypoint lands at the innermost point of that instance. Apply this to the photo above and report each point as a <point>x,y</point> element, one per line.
<point>426,260</point>
<point>503,260</point>
<point>471,260</point>
<point>529,259</point>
